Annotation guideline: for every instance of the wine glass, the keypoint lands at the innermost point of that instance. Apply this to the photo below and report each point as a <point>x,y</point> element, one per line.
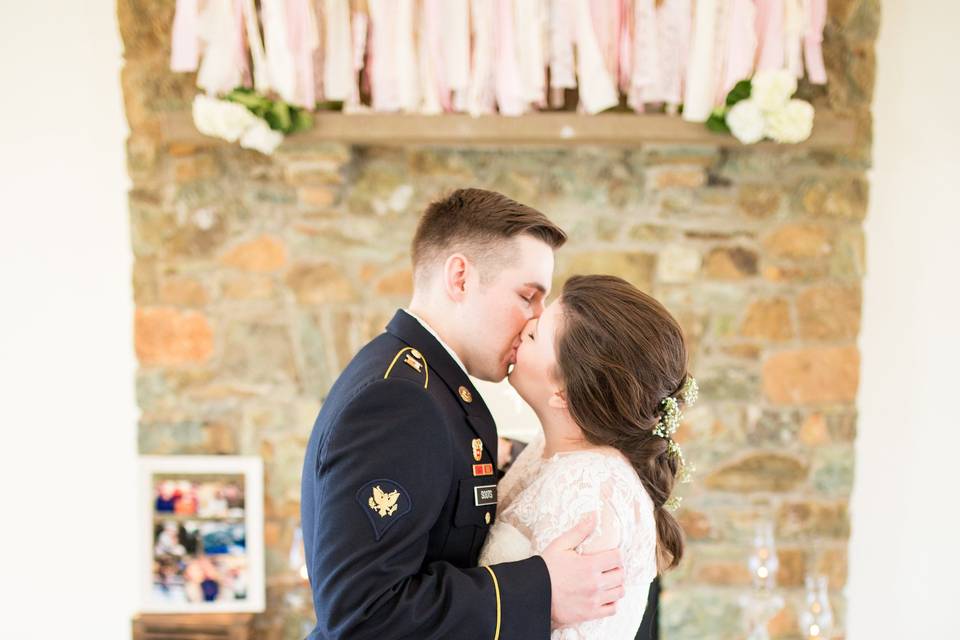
<point>816,620</point>
<point>763,562</point>
<point>762,603</point>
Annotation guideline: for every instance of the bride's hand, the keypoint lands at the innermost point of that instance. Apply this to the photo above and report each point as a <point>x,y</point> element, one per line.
<point>583,587</point>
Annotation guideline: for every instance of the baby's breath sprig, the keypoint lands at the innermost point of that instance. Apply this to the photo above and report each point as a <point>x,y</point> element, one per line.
<point>684,471</point>
<point>690,391</point>
<point>669,418</point>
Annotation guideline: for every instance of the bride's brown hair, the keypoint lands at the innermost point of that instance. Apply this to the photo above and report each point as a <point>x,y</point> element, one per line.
<point>619,354</point>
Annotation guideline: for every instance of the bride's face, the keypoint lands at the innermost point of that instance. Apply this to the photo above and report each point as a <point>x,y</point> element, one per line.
<point>534,374</point>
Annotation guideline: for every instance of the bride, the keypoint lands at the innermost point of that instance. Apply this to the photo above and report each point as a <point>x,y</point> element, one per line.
<point>604,369</point>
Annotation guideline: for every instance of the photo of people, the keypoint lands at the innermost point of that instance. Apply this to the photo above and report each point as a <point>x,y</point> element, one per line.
<point>199,539</point>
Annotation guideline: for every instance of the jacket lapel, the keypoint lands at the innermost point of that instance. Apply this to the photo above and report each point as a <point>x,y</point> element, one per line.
<point>410,331</point>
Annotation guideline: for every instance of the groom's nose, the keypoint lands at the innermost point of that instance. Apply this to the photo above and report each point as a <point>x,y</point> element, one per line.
<point>536,309</point>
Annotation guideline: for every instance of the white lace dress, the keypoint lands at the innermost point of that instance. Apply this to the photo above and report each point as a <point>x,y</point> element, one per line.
<point>539,499</point>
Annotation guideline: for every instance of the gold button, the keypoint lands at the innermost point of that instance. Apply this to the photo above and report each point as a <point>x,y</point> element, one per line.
<point>465,394</point>
<point>415,354</point>
<point>486,517</point>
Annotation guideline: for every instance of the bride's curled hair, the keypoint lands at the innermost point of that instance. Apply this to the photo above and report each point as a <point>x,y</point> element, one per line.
<point>620,354</point>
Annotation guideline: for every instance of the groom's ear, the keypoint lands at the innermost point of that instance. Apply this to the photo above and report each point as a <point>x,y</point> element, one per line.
<point>558,399</point>
<point>455,276</point>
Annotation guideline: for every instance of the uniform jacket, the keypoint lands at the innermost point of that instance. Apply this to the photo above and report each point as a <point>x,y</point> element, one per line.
<point>398,494</point>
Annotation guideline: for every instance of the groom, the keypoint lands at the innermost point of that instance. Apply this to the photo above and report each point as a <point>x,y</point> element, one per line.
<point>399,481</point>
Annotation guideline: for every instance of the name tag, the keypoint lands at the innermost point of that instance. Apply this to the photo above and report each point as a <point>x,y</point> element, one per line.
<point>485,495</point>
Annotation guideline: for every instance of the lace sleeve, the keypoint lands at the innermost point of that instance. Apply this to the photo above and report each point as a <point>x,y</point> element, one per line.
<point>573,485</point>
<point>571,488</point>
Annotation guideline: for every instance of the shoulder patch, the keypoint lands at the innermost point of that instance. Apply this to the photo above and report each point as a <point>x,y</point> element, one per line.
<point>412,359</point>
<point>384,501</point>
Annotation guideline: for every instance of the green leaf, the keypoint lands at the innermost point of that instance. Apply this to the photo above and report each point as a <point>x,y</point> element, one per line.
<point>302,120</point>
<point>281,115</point>
<point>262,109</point>
<point>717,124</point>
<point>740,91</point>
<point>273,121</point>
<point>248,99</point>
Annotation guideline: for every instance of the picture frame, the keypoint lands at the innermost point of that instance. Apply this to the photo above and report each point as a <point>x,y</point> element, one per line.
<point>201,542</point>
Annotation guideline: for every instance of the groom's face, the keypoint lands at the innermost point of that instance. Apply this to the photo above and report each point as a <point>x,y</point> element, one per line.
<point>503,303</point>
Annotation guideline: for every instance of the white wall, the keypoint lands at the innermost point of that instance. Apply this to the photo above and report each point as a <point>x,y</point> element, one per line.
<point>906,531</point>
<point>67,409</point>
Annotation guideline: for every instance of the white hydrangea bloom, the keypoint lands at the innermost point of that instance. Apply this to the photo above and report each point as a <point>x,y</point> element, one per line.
<point>771,89</point>
<point>261,137</point>
<point>792,123</point>
<point>221,119</point>
<point>746,121</point>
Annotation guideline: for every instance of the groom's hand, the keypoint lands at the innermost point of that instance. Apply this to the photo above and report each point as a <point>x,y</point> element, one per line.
<point>583,587</point>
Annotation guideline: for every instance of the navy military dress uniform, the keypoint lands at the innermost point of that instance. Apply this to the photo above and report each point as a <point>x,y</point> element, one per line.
<point>398,494</point>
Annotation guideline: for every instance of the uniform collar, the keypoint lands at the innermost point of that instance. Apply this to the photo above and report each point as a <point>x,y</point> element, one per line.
<point>425,325</point>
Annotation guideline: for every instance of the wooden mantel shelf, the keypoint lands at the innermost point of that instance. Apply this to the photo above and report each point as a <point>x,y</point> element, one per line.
<point>539,129</point>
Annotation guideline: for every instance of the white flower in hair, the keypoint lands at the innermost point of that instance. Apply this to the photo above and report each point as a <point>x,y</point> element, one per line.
<point>673,503</point>
<point>690,391</point>
<point>684,471</point>
<point>669,418</point>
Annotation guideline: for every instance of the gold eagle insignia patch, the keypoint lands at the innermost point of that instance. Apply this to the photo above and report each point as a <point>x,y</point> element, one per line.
<point>382,502</point>
<point>385,502</point>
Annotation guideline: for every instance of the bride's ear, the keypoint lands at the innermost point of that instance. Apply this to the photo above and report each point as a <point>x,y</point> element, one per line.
<point>558,399</point>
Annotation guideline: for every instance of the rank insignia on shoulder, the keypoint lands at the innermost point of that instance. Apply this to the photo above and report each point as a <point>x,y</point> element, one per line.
<point>413,363</point>
<point>477,445</point>
<point>384,502</point>
<point>413,359</point>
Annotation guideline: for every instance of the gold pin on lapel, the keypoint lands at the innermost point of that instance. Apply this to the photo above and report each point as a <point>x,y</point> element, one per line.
<point>486,517</point>
<point>477,445</point>
<point>465,394</point>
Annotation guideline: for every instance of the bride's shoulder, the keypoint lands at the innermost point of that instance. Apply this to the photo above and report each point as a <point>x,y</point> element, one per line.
<point>606,460</point>
<point>601,469</point>
<point>585,468</point>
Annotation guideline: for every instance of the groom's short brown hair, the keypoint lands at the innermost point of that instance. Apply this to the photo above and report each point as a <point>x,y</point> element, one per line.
<point>476,222</point>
